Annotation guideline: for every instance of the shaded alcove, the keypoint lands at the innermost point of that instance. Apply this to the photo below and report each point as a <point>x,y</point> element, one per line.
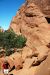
<point>48,19</point>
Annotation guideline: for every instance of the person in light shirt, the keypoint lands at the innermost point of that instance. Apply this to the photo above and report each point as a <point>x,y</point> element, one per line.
<point>5,68</point>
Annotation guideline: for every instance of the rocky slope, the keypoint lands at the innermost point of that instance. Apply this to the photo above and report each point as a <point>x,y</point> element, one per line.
<point>34,57</point>
<point>30,22</point>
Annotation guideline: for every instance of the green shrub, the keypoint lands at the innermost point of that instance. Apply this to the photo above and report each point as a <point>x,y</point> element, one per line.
<point>20,41</point>
<point>9,40</point>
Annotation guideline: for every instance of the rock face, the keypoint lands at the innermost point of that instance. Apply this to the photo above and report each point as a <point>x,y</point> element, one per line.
<point>45,66</point>
<point>44,5</point>
<point>30,21</point>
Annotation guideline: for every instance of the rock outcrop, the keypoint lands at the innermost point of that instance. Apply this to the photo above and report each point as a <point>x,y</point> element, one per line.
<point>30,21</point>
<point>44,6</point>
<point>44,68</point>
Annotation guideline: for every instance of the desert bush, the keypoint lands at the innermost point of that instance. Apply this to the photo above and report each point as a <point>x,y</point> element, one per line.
<point>9,40</point>
<point>20,41</point>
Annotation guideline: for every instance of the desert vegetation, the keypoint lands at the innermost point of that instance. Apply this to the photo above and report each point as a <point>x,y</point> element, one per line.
<point>9,40</point>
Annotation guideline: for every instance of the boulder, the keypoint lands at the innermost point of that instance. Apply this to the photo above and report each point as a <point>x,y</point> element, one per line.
<point>44,67</point>
<point>18,62</point>
<point>27,52</point>
<point>43,53</point>
<point>29,62</point>
<point>15,55</point>
<point>10,61</point>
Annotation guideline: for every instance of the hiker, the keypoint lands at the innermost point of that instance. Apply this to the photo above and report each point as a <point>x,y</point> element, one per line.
<point>6,68</point>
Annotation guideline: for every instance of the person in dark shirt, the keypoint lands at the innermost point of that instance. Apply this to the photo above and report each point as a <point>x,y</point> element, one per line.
<point>6,67</point>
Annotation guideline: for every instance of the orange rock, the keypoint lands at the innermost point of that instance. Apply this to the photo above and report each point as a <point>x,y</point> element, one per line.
<point>18,63</point>
<point>44,68</point>
<point>44,5</point>
<point>26,52</point>
<point>10,61</point>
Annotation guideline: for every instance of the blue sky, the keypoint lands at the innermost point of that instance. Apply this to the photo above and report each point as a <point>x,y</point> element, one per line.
<point>8,9</point>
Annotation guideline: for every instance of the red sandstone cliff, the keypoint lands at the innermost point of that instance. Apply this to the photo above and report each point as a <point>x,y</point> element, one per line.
<point>44,6</point>
<point>30,21</point>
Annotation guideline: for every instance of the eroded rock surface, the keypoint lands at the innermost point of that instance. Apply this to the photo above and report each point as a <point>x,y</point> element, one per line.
<point>44,6</point>
<point>31,22</point>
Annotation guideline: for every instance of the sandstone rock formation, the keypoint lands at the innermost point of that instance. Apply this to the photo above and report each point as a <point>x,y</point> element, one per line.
<point>44,6</point>
<point>44,68</point>
<point>30,21</point>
